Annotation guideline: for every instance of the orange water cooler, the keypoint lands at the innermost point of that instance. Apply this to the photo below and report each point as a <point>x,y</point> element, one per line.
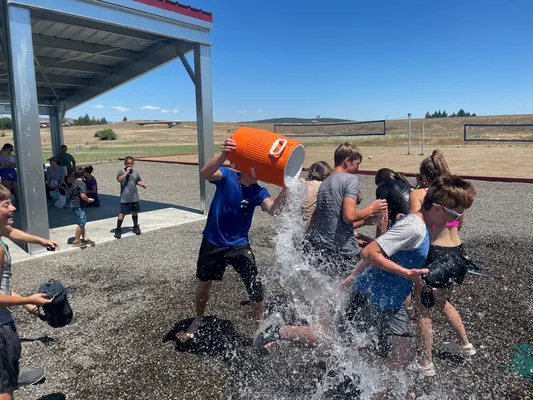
<point>267,156</point>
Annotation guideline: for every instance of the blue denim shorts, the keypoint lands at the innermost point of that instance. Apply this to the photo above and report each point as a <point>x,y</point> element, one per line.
<point>81,217</point>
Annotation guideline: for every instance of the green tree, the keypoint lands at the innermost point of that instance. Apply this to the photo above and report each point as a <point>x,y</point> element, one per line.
<point>124,119</point>
<point>428,115</point>
<point>461,113</point>
<point>444,114</point>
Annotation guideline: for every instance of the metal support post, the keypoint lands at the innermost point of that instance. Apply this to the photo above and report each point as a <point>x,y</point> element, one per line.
<point>25,115</point>
<point>204,118</point>
<point>56,129</point>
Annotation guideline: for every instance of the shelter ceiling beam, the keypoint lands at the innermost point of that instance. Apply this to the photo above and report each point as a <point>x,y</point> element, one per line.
<point>66,65</point>
<point>42,92</point>
<point>84,23</point>
<point>57,80</point>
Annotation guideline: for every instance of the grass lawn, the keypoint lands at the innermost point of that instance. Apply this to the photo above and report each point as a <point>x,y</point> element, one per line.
<point>94,154</point>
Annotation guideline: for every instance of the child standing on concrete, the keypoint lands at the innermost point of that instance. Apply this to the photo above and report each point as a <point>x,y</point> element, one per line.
<point>78,200</point>
<point>129,196</point>
<point>10,348</point>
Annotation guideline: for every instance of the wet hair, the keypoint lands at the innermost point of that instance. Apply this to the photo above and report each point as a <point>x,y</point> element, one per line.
<point>359,198</point>
<point>318,171</point>
<point>5,193</point>
<point>450,191</point>
<point>79,172</point>
<point>433,166</point>
<point>7,146</point>
<point>128,158</point>
<point>387,174</point>
<point>89,169</point>
<point>347,150</point>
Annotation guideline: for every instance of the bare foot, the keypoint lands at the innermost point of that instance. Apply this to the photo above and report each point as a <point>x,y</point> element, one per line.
<point>193,327</point>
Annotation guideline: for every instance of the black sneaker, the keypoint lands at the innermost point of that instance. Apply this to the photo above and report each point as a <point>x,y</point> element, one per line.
<point>137,230</point>
<point>30,376</point>
<point>118,233</point>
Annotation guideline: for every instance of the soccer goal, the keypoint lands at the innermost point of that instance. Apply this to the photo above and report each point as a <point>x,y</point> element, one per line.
<point>498,132</point>
<point>344,129</point>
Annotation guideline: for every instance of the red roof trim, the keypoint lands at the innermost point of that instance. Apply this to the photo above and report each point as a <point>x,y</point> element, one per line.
<point>176,7</point>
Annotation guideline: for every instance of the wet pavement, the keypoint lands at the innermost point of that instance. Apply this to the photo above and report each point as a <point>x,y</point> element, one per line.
<point>131,293</point>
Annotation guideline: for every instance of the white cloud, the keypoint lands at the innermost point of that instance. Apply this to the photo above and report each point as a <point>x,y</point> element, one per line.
<point>242,112</point>
<point>152,108</point>
<point>259,111</point>
<point>174,110</point>
<point>120,108</point>
<point>98,106</point>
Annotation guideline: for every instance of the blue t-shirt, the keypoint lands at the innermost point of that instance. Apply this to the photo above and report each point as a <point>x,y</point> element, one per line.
<point>407,244</point>
<point>231,212</point>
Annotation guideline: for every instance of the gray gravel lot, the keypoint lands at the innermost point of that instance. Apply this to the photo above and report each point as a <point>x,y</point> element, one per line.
<point>132,291</point>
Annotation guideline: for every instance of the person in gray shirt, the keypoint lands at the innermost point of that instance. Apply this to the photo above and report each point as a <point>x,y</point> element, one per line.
<point>332,241</point>
<point>129,179</point>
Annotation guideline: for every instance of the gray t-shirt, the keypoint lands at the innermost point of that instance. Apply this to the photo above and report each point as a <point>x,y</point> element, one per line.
<point>5,284</point>
<point>406,234</point>
<point>330,230</point>
<point>78,186</point>
<point>128,187</point>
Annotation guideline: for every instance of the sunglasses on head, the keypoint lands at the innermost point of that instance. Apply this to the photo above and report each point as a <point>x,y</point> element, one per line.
<point>449,210</point>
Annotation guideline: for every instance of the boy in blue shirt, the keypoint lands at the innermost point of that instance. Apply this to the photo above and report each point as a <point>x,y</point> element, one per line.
<point>225,237</point>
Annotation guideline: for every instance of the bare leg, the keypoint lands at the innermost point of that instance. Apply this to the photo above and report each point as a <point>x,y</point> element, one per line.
<point>201,298</point>
<point>258,309</point>
<point>78,234</point>
<point>303,334</point>
<point>6,396</point>
<point>402,353</point>
<point>453,317</point>
<point>425,332</point>
<point>83,234</point>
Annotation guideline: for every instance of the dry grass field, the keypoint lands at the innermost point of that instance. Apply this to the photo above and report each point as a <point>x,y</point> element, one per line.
<point>494,159</point>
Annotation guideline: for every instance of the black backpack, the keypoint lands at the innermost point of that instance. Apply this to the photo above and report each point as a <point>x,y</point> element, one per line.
<point>57,313</point>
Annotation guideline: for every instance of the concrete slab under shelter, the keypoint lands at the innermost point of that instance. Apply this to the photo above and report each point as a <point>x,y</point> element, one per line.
<point>101,230</point>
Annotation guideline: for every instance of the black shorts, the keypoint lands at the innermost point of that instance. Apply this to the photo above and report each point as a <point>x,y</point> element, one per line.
<point>127,208</point>
<point>363,316</point>
<point>212,262</point>
<point>9,357</point>
<point>330,261</point>
<point>447,265</point>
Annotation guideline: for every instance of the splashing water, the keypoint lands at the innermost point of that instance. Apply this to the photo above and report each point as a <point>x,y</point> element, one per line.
<point>333,369</point>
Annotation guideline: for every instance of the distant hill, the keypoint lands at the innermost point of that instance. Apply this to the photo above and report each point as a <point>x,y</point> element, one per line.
<point>291,120</point>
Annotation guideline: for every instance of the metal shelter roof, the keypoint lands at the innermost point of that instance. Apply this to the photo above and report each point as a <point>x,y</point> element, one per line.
<point>57,54</point>
<point>84,48</point>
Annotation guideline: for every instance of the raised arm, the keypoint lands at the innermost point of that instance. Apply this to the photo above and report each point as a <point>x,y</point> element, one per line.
<point>211,171</point>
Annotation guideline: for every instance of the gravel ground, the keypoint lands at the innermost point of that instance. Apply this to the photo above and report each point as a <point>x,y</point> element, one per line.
<point>132,292</point>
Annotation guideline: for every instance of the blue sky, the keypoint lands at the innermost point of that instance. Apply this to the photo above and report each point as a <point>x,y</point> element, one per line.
<point>357,59</point>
